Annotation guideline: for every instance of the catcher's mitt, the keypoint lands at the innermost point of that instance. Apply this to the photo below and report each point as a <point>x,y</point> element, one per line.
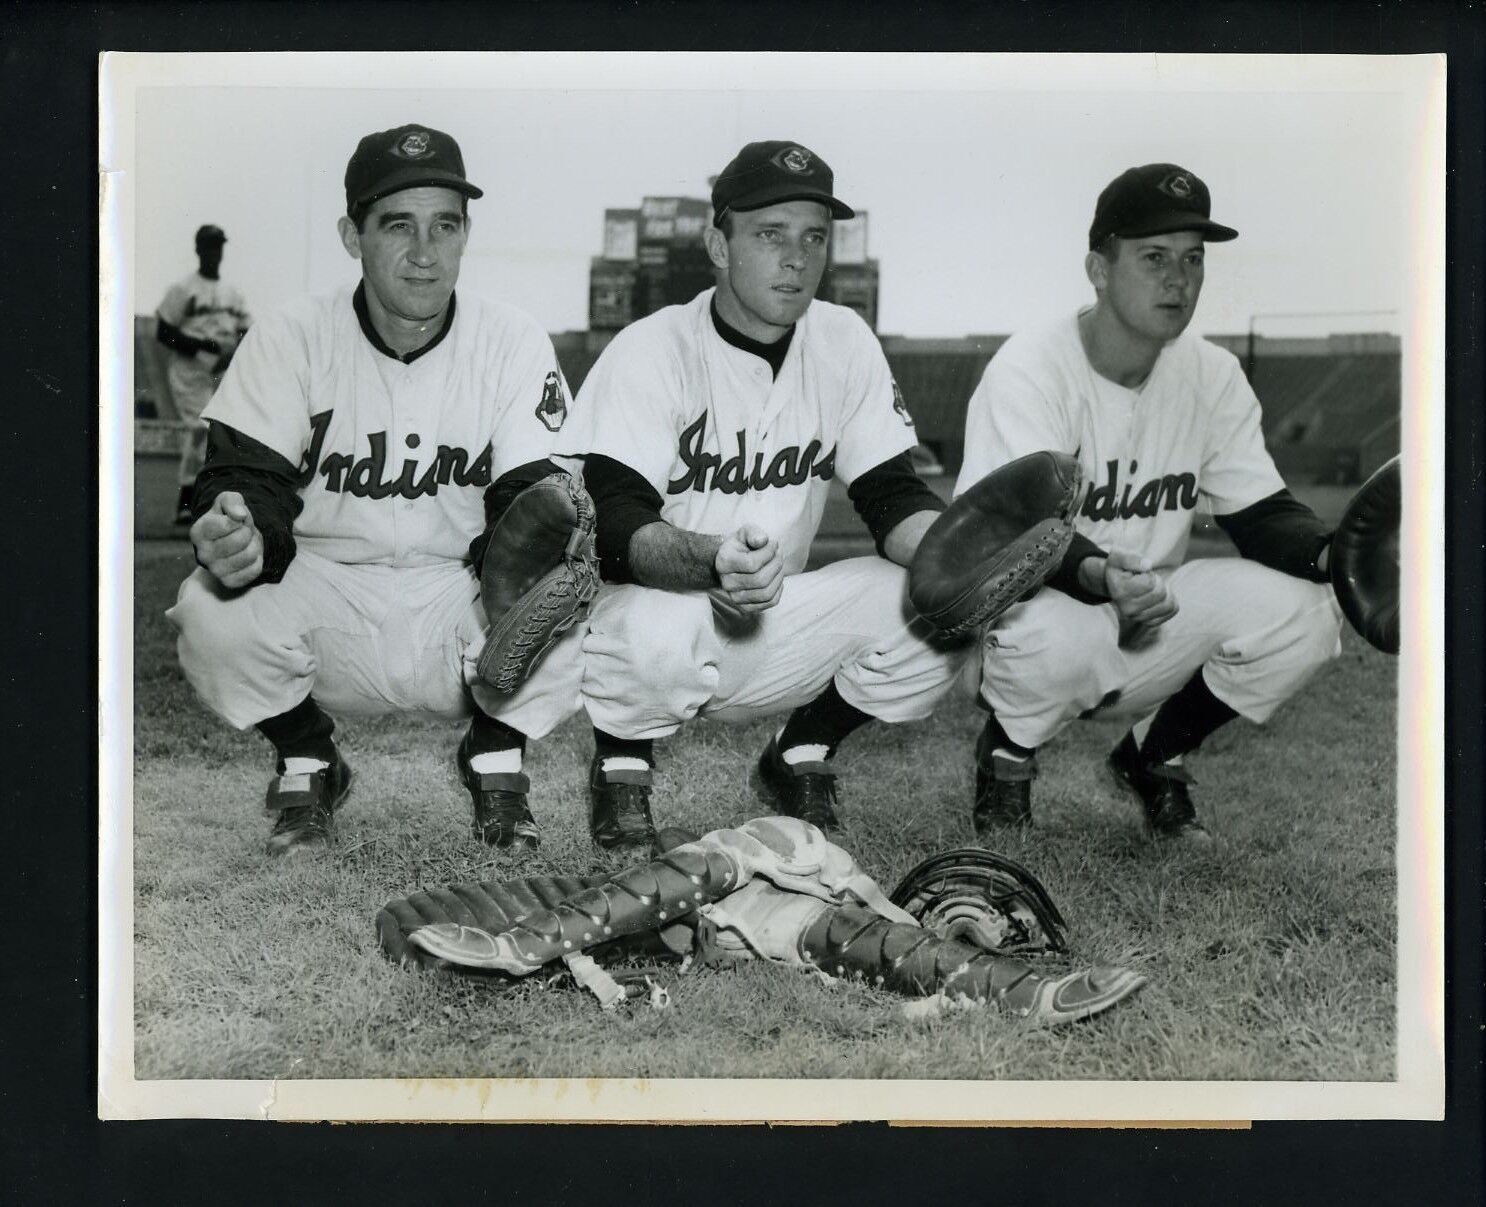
<point>1364,558</point>
<point>540,574</point>
<point>985,899</point>
<point>996,544</point>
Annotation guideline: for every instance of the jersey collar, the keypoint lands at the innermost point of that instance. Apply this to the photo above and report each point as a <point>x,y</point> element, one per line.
<point>363,316</point>
<point>772,354</point>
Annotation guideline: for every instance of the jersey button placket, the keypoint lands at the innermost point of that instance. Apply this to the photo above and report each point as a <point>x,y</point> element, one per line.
<point>398,432</point>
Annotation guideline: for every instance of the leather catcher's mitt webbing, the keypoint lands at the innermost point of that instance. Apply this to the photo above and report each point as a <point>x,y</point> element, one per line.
<point>539,576</point>
<point>492,906</point>
<point>852,942</point>
<point>985,899</point>
<point>996,544</point>
<point>1364,558</point>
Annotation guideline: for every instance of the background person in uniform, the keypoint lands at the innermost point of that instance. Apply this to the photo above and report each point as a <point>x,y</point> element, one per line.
<point>711,432</point>
<point>1159,420</point>
<point>200,322</point>
<point>359,449</point>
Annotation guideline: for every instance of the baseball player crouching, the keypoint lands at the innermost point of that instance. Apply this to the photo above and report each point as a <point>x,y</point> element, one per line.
<point>1159,419</point>
<point>359,448</point>
<point>711,432</point>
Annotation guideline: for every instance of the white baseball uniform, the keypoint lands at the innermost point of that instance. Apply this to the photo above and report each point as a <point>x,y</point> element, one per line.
<point>203,309</point>
<point>724,442</point>
<point>1190,434</point>
<point>379,610</point>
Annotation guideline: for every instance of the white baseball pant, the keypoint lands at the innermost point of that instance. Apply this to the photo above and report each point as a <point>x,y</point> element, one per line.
<point>365,639</point>
<point>191,386</point>
<point>1260,635</point>
<point>654,659</point>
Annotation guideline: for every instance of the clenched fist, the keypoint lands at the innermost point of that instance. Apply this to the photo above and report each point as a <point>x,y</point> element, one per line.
<point>227,542</point>
<point>750,568</point>
<point>1140,595</point>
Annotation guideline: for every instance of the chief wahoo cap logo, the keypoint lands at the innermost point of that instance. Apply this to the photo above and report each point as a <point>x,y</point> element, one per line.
<point>1178,185</point>
<point>414,144</point>
<point>796,159</point>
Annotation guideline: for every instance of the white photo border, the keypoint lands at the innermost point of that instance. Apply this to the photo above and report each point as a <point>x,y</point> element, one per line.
<point>1418,1092</point>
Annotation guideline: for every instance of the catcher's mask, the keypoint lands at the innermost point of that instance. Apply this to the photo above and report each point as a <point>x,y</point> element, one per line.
<point>979,897</point>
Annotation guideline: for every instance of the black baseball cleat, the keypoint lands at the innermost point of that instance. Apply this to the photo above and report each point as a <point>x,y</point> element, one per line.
<point>1003,787</point>
<point>1162,792</point>
<point>805,790</point>
<point>502,818</point>
<point>304,806</point>
<point>619,809</point>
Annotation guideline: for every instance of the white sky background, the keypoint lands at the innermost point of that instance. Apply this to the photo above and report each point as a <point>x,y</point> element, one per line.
<point>979,200</point>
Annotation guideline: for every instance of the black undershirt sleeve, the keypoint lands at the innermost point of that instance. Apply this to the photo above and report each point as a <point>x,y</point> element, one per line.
<point>177,340</point>
<point>888,494</point>
<point>268,483</point>
<point>499,495</point>
<point>1065,577</point>
<point>1280,532</point>
<point>625,503</point>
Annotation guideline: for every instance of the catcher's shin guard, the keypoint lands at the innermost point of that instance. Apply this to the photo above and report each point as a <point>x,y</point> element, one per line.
<point>642,898</point>
<point>849,941</point>
<point>489,905</point>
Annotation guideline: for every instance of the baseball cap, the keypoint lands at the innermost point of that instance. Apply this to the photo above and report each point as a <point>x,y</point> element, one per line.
<point>766,173</point>
<point>1155,200</point>
<point>392,160</point>
<point>210,234</point>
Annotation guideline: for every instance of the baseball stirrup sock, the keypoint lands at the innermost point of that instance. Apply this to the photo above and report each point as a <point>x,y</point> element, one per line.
<point>496,762</point>
<point>487,735</point>
<point>303,732</point>
<point>1184,721</point>
<point>994,740</point>
<point>607,747</point>
<point>825,721</point>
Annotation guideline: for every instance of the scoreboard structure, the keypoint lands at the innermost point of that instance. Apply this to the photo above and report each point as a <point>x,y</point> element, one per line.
<point>653,257</point>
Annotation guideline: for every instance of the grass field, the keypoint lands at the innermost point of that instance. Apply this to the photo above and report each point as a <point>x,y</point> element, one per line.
<point>1270,958</point>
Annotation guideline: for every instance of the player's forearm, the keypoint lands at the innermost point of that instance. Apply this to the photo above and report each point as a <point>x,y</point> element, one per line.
<point>889,495</point>
<point>902,542</point>
<point>674,559</point>
<point>1090,576</point>
<point>626,503</point>
<point>1081,572</point>
<point>267,483</point>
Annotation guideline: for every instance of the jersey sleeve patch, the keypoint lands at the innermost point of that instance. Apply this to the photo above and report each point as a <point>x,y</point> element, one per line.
<point>552,410</point>
<point>900,406</point>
